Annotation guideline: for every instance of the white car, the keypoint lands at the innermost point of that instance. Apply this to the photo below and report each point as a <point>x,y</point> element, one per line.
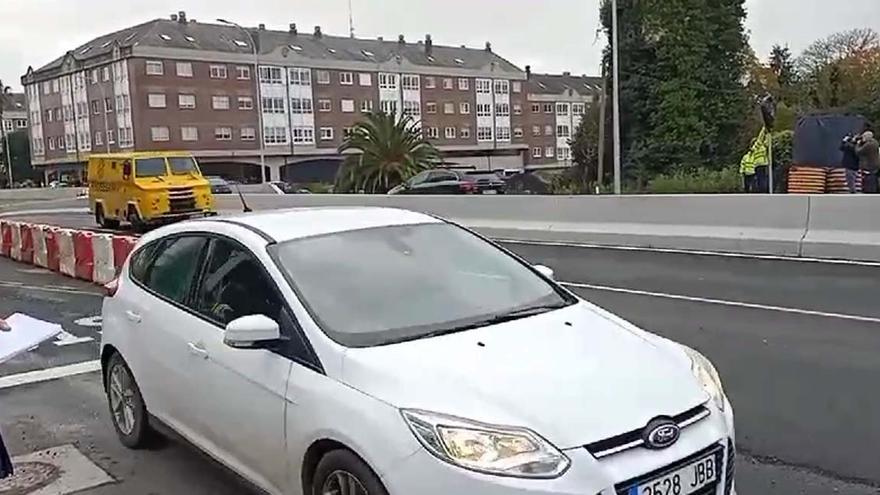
<point>355,351</point>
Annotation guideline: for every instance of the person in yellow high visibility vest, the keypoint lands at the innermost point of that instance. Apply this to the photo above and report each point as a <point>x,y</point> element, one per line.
<point>757,156</point>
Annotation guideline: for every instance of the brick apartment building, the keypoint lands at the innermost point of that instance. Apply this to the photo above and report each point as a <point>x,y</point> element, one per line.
<point>180,84</point>
<point>15,114</point>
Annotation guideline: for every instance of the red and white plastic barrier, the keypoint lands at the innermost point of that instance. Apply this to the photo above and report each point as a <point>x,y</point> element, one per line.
<point>81,254</point>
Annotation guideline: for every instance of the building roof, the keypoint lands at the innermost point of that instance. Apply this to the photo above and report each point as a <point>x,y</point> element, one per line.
<point>14,102</point>
<point>557,84</point>
<point>191,35</point>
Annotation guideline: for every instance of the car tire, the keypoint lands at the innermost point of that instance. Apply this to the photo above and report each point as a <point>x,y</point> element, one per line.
<point>340,465</point>
<point>102,220</point>
<point>134,218</point>
<point>130,418</point>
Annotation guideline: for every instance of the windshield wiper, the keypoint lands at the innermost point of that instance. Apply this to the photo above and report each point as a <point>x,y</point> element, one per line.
<point>498,318</point>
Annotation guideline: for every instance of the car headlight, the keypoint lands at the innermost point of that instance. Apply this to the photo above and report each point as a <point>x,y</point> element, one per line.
<point>707,375</point>
<point>504,451</point>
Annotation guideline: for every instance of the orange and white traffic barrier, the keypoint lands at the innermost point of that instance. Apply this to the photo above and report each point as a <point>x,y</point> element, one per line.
<point>104,261</point>
<point>15,252</point>
<point>84,254</point>
<point>26,234</point>
<point>66,253</point>
<point>41,250</point>
<point>5,238</point>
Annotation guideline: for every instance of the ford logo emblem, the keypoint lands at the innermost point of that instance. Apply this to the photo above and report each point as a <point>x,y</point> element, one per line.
<point>660,434</point>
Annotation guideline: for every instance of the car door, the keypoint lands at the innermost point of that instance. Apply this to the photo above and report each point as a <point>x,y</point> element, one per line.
<point>419,184</point>
<point>446,182</point>
<point>162,323</point>
<point>241,391</point>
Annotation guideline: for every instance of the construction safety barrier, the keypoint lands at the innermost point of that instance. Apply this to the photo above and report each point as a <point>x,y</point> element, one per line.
<point>80,254</point>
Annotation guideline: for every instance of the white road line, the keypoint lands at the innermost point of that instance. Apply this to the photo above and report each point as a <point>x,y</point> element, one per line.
<point>49,288</point>
<point>722,302</point>
<point>722,254</point>
<point>49,374</point>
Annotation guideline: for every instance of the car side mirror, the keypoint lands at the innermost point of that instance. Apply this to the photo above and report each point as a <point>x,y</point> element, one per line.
<point>251,332</point>
<point>545,271</point>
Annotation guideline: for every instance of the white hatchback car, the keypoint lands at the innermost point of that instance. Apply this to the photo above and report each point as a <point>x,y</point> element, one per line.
<point>369,351</point>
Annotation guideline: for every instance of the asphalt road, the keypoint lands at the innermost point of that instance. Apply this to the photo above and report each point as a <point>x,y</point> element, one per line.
<point>798,346</point>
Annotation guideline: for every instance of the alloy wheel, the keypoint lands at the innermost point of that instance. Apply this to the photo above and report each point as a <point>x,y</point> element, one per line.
<point>343,483</point>
<point>122,399</point>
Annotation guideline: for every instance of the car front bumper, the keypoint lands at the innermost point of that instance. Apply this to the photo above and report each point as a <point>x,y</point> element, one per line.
<point>424,474</point>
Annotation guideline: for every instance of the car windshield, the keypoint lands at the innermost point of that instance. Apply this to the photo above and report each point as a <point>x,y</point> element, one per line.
<point>217,181</point>
<point>150,167</point>
<point>183,165</point>
<point>391,284</point>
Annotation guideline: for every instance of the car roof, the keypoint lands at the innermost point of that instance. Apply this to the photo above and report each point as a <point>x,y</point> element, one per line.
<point>297,223</point>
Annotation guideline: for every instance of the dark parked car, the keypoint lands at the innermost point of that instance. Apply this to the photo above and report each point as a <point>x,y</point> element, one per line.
<point>443,181</point>
<point>219,185</point>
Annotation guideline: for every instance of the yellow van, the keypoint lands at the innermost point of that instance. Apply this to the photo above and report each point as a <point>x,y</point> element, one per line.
<point>147,188</point>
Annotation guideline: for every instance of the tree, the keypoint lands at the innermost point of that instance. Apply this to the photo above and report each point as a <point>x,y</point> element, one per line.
<point>20,153</point>
<point>383,151</point>
<point>782,64</point>
<point>842,70</point>
<point>585,152</point>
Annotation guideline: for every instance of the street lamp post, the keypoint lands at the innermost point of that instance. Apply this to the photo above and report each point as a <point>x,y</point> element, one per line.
<point>259,96</point>
<point>615,55</point>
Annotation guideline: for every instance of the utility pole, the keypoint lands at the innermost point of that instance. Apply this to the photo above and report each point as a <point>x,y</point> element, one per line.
<point>600,176</point>
<point>615,55</point>
<point>350,20</point>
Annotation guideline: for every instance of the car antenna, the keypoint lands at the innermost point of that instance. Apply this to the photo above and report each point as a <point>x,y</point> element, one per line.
<point>244,206</point>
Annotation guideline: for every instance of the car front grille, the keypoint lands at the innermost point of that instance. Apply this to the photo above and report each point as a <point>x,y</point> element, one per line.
<point>181,200</point>
<point>633,439</point>
<point>627,486</point>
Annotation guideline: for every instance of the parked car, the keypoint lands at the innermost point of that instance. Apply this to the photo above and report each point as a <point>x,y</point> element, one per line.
<point>287,188</point>
<point>449,181</point>
<point>219,185</point>
<point>431,362</point>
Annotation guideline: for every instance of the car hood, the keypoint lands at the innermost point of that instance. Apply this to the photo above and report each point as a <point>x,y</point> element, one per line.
<point>575,375</point>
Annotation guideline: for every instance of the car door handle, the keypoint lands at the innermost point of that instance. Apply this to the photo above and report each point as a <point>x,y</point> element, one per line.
<point>132,316</point>
<point>197,350</point>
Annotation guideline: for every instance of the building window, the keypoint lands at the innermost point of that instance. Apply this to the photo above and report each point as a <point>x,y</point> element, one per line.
<point>111,137</point>
<point>273,105</point>
<point>484,133</point>
<point>562,153</point>
<point>49,115</point>
<point>464,108</point>
<point>449,108</point>
<point>502,109</point>
<point>447,83</point>
<point>366,106</point>
<point>548,108</point>
<point>432,133</point>
<point>94,76</point>
<point>431,107</point>
<point>325,105</point>
<point>464,133</point>
<point>484,109</point>
<point>347,132</point>
<point>242,72</point>
<point>223,133</point>
<point>220,102</point>
<point>99,138</point>
<point>548,151</point>
<point>96,107</point>
<point>517,87</point>
<point>449,133</point>
<point>184,69</point>
<point>245,103</point>
<point>186,102</point>
<point>503,133</point>
<point>536,108</point>
<point>578,108</point>
<point>218,72</point>
<point>517,132</point>
<point>303,135</point>
<point>412,108</point>
<point>156,100</point>
<point>536,130</point>
<point>56,83</point>
<point>484,86</point>
<point>548,130</point>
<point>365,79</point>
<point>159,133</point>
<point>301,106</point>
<point>563,131</point>
<point>323,77</point>
<point>502,87</point>
<point>326,134</point>
<point>430,82</point>
<point>409,82</point>
<point>51,141</point>
<point>248,134</point>
<point>274,135</point>
<point>562,109</point>
<point>389,107</point>
<point>536,152</point>
<point>347,106</point>
<point>464,84</point>
<point>270,75</point>
<point>346,79</point>
<point>154,68</point>
<point>108,105</point>
<point>517,109</point>
<point>387,81</point>
<point>301,77</point>
<point>189,133</point>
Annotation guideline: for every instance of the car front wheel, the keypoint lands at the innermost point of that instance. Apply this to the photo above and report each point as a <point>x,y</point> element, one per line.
<point>340,472</point>
<point>127,409</point>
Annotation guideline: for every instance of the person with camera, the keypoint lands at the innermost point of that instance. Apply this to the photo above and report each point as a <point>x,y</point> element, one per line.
<point>868,151</point>
<point>850,163</point>
<point>5,461</point>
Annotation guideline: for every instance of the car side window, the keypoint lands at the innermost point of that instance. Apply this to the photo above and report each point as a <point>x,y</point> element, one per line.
<point>174,267</point>
<point>444,176</point>
<point>418,179</point>
<point>141,261</point>
<point>234,285</point>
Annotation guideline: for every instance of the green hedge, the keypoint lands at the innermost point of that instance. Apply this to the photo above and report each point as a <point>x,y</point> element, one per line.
<point>702,181</point>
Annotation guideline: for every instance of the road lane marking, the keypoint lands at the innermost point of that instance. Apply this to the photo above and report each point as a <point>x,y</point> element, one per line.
<point>49,288</point>
<point>49,374</point>
<point>65,339</point>
<point>721,302</point>
<point>721,254</point>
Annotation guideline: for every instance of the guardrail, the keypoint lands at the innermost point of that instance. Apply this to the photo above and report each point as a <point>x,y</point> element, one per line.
<point>841,227</point>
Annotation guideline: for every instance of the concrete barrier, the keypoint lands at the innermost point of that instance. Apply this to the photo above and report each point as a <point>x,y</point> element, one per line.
<point>845,227</point>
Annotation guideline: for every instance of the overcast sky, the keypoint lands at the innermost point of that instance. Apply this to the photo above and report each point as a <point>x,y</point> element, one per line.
<point>549,35</point>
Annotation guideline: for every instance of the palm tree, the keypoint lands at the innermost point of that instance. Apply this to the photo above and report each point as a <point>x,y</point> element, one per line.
<point>387,150</point>
<point>5,94</point>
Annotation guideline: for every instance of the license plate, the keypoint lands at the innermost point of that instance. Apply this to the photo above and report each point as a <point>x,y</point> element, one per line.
<point>490,191</point>
<point>689,479</point>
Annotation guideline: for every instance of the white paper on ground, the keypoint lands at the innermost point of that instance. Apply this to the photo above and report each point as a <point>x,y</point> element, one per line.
<point>26,333</point>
